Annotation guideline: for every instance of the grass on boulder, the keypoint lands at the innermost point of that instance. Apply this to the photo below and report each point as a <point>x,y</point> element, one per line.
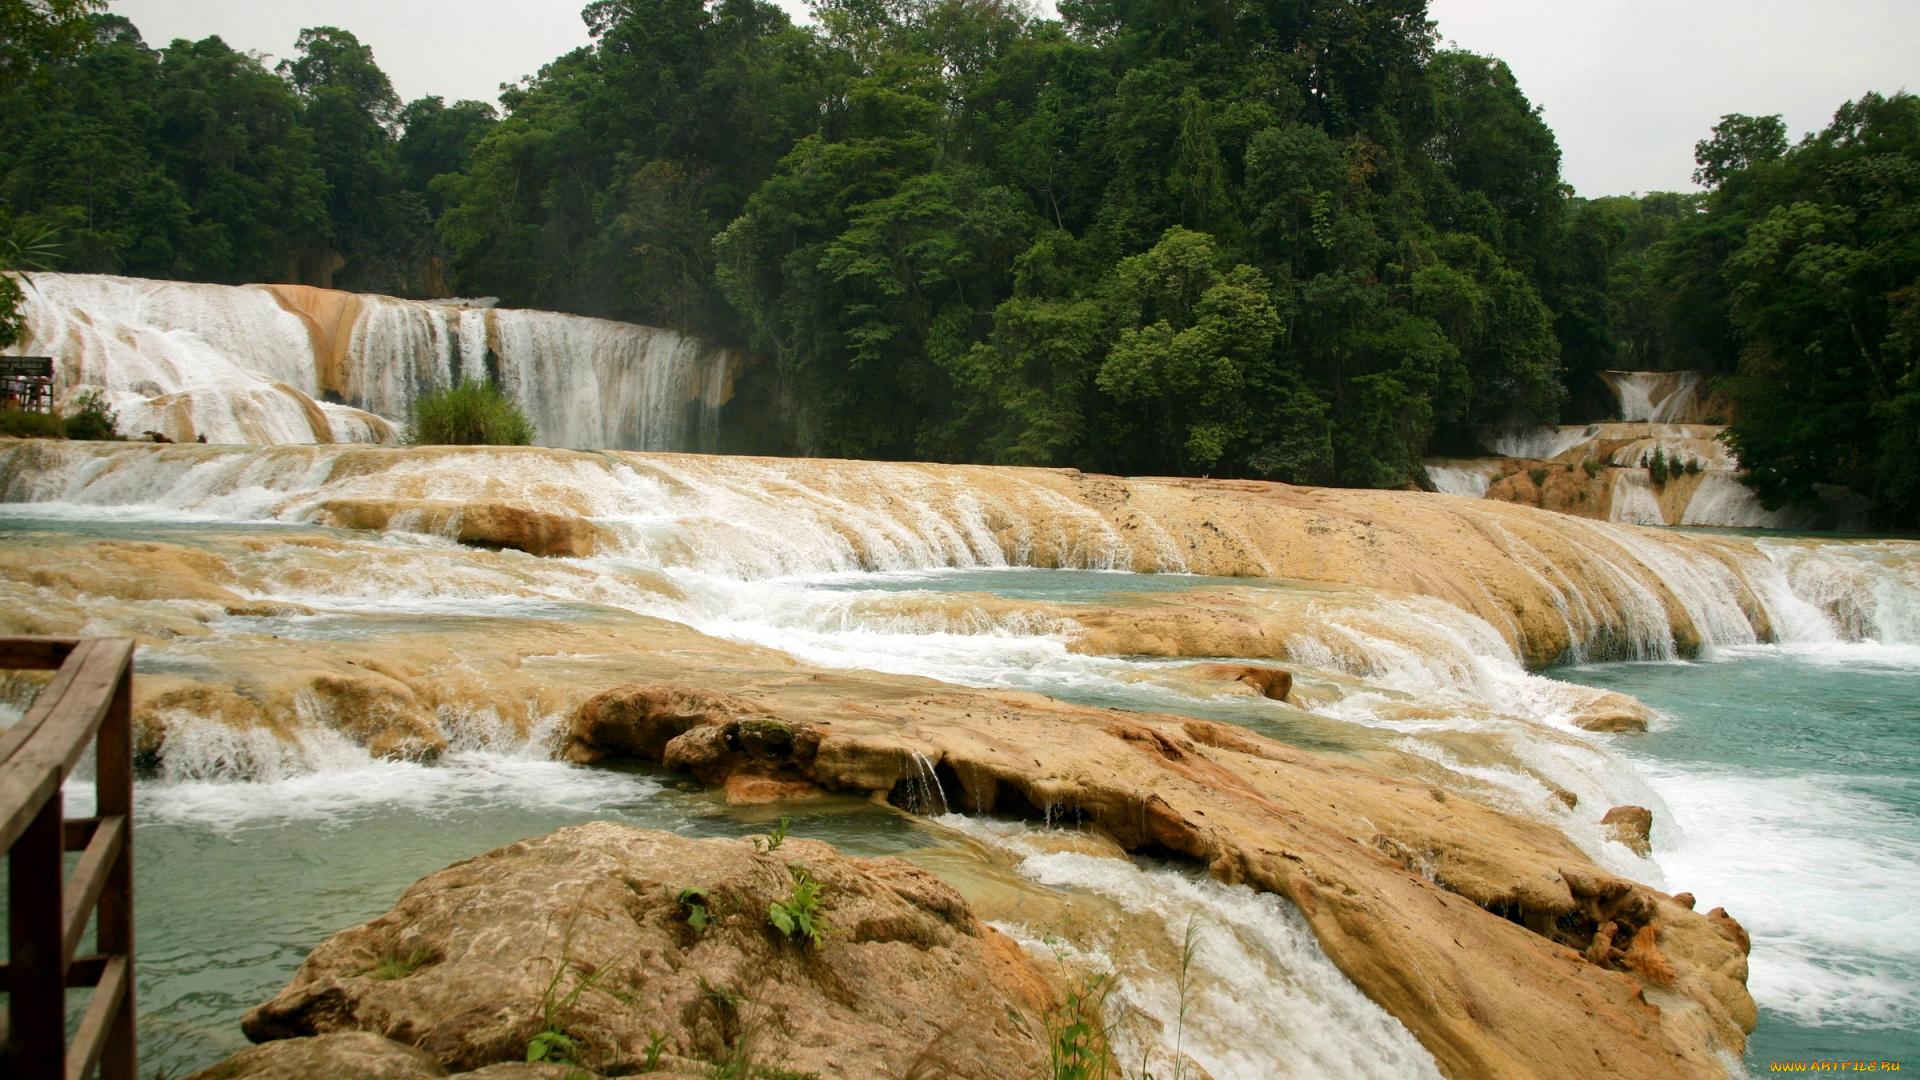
<point>471,414</point>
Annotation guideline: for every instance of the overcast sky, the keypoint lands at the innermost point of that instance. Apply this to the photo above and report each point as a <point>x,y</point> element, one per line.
<point>1628,85</point>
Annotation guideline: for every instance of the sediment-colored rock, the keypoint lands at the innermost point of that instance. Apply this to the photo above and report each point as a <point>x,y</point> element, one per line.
<point>354,1055</point>
<point>661,934</point>
<point>483,523</point>
<point>1268,682</point>
<point>1492,939</point>
<point>1632,826</point>
<point>1613,712</point>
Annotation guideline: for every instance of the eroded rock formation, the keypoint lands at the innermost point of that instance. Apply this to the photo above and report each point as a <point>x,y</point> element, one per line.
<point>645,949</point>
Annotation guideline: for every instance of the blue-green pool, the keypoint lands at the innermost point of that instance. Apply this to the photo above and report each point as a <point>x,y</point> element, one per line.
<point>1791,778</point>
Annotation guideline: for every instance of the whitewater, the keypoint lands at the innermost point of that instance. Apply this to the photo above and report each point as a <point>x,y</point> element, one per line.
<point>930,572</point>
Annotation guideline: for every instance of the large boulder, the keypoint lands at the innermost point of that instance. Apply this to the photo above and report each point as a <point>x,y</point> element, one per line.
<point>644,949</point>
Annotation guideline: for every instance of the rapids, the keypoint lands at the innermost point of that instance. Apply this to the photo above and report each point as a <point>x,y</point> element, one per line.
<point>274,364</point>
<point>1420,630</point>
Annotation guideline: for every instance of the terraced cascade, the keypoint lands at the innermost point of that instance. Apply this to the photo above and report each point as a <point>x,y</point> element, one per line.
<point>1329,728</point>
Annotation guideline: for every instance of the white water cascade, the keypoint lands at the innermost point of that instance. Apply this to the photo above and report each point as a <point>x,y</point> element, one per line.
<point>1607,470</point>
<point>1656,397</point>
<point>272,364</point>
<point>892,567</point>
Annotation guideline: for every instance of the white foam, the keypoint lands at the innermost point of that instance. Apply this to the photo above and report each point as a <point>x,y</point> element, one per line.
<point>1257,969</point>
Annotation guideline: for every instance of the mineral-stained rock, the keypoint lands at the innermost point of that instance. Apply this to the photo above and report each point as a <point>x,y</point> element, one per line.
<point>360,1055</point>
<point>612,934</point>
<point>640,721</point>
<point>1613,712</point>
<point>483,523</point>
<point>1632,826</point>
<point>1490,937</point>
<point>357,1055</point>
<point>1269,682</point>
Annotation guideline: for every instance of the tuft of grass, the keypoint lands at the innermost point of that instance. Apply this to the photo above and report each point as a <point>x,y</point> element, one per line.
<point>471,414</point>
<point>1537,474</point>
<point>1592,466</point>
<point>801,914</point>
<point>775,837</point>
<point>1079,1045</point>
<point>392,966</point>
<point>20,424</point>
<point>555,1043</point>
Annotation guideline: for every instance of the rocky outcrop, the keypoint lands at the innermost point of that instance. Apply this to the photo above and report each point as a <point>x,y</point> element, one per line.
<point>1613,712</point>
<point>1492,939</point>
<point>359,1055</point>
<point>1520,571</point>
<point>482,523</point>
<point>1271,683</point>
<point>1632,826</point>
<point>643,950</point>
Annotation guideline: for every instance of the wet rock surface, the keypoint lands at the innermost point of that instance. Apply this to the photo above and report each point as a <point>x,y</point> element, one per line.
<point>648,950</point>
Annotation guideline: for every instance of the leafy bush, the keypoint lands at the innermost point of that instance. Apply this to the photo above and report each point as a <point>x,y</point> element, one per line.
<point>1592,466</point>
<point>93,419</point>
<point>1537,474</point>
<point>1657,467</point>
<point>471,414</point>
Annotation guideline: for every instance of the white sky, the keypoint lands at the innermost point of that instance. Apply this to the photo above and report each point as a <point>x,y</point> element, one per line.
<point>1628,85</point>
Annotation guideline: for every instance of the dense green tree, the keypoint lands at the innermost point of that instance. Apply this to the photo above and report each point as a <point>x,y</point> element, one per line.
<point>36,33</point>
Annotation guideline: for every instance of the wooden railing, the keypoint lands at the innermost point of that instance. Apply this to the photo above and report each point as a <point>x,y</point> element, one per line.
<point>89,701</point>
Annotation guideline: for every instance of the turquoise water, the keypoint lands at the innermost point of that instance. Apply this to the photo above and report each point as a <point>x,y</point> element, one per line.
<point>1791,778</point>
<point>237,882</point>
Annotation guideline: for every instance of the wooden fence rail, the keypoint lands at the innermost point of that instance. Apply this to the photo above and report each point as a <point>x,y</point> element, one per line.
<point>89,701</point>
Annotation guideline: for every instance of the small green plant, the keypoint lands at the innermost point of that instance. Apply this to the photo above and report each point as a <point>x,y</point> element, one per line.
<point>1694,466</point>
<point>1592,466</point>
<point>727,1001</point>
<point>1189,949</point>
<point>470,414</point>
<point>699,915</point>
<point>21,424</point>
<point>93,419</point>
<point>554,1043</point>
<point>392,966</point>
<point>1078,1043</point>
<point>656,1045</point>
<point>1538,474</point>
<point>774,838</point>
<point>1716,420</point>
<point>801,914</point>
<point>1657,466</point>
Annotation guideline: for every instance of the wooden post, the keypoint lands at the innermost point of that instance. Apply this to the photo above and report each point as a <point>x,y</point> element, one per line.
<point>88,701</point>
<point>113,790</point>
<point>37,962</point>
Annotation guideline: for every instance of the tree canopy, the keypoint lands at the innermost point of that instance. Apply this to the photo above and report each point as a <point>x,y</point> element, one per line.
<point>1287,239</point>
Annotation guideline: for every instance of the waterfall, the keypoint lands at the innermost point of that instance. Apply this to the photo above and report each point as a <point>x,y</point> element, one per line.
<point>1655,397</point>
<point>274,364</point>
<point>734,522</point>
<point>925,796</point>
<point>1540,444</point>
<point>1470,479</point>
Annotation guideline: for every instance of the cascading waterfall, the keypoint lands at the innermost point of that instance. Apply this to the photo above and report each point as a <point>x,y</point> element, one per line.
<point>290,364</point>
<point>928,570</point>
<point>1655,397</point>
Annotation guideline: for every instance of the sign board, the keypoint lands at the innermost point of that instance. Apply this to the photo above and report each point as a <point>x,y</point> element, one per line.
<point>26,367</point>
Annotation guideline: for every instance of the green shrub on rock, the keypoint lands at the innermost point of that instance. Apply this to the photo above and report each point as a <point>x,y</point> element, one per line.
<point>471,414</point>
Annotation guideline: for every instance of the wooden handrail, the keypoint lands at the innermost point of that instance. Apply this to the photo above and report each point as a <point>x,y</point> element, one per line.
<point>89,702</point>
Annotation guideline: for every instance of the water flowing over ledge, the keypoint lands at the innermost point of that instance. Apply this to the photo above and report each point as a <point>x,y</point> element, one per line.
<point>1556,588</point>
<point>276,364</point>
